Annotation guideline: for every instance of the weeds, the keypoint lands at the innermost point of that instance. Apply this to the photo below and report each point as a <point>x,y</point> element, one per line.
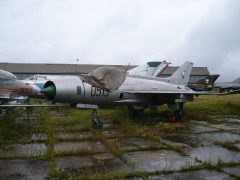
<point>108,143</point>
<point>10,131</point>
<point>48,126</point>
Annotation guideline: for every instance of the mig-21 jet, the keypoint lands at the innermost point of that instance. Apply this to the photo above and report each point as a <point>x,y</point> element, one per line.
<point>111,86</point>
<point>14,92</point>
<point>12,89</point>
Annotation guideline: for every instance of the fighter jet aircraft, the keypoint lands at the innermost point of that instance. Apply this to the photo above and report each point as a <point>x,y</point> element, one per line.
<point>39,80</point>
<point>205,84</point>
<point>152,68</point>
<point>228,86</point>
<point>113,87</point>
<point>12,89</point>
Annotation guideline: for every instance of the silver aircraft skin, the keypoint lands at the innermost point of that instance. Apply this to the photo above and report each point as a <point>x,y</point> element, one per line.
<point>135,89</point>
<point>228,86</point>
<point>138,92</point>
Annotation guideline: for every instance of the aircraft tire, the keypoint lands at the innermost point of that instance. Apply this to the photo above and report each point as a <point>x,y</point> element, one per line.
<point>178,115</point>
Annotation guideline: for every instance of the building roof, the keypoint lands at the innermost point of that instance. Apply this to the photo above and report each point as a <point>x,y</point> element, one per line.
<point>34,68</point>
<point>52,68</point>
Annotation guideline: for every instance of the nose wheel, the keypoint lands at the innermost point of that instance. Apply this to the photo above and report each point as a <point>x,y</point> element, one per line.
<point>96,123</point>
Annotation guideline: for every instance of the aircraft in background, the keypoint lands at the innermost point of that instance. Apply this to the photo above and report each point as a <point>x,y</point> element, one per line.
<point>156,68</point>
<point>39,80</point>
<point>152,68</point>
<point>228,86</point>
<point>111,86</point>
<point>205,84</point>
<point>12,90</point>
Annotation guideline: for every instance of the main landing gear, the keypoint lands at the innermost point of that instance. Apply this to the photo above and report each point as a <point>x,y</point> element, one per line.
<point>134,111</point>
<point>178,113</point>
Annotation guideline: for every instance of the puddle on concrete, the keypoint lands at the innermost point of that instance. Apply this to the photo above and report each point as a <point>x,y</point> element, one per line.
<point>38,137</point>
<point>23,150</point>
<point>221,137</point>
<point>114,133</point>
<point>233,170</point>
<point>199,122</point>
<point>109,163</point>
<point>33,137</point>
<point>225,126</point>
<point>158,160</point>
<point>73,135</point>
<point>232,120</point>
<point>202,129</point>
<point>136,143</point>
<point>213,154</point>
<point>134,178</point>
<point>236,131</point>
<point>70,128</point>
<point>192,140</point>
<point>193,175</point>
<point>23,169</point>
<point>80,147</point>
<point>89,164</point>
<point>73,165</point>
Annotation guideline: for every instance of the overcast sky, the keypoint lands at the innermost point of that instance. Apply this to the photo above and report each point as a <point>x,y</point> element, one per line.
<point>206,32</point>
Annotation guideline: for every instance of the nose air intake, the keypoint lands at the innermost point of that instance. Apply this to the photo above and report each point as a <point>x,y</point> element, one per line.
<point>49,90</point>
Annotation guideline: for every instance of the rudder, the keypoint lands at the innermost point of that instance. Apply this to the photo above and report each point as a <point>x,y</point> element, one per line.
<point>182,75</point>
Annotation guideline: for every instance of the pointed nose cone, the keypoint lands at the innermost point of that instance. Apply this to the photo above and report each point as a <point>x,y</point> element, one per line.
<point>49,92</point>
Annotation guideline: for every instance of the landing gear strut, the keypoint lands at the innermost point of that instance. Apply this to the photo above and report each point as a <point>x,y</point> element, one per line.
<point>179,112</point>
<point>96,123</point>
<point>134,111</point>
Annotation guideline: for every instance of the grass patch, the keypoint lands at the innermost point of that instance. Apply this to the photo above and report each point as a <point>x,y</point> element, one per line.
<point>48,126</point>
<point>73,117</point>
<point>10,131</point>
<point>108,143</point>
<point>205,106</point>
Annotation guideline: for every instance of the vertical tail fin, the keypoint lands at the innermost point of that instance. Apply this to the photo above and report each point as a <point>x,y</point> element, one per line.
<point>161,68</point>
<point>237,81</point>
<point>182,75</point>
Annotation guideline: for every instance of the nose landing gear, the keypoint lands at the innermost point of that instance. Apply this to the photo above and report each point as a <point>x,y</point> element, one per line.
<point>96,123</point>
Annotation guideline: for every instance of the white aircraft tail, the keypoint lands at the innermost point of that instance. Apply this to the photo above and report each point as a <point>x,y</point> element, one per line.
<point>161,68</point>
<point>152,68</point>
<point>182,75</point>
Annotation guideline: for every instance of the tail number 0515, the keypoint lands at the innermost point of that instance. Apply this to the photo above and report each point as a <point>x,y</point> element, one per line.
<point>95,91</point>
